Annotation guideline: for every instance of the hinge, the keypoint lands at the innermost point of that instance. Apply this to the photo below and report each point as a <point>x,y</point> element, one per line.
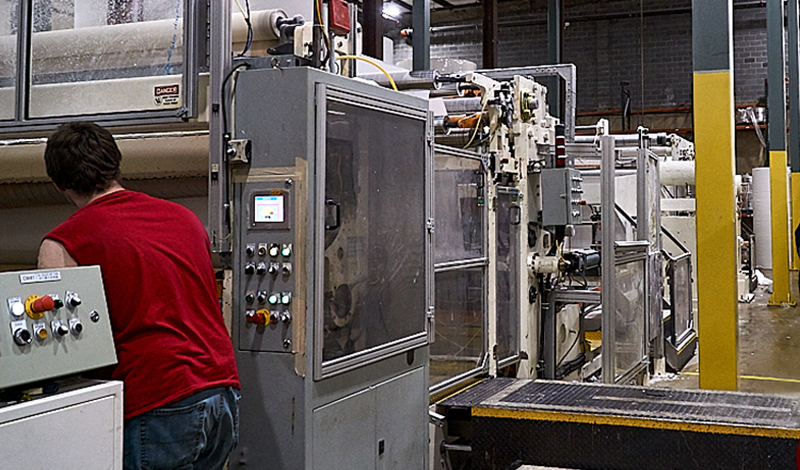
<point>431,315</point>
<point>430,225</point>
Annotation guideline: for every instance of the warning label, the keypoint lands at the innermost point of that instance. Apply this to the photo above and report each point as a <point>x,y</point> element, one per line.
<point>167,96</point>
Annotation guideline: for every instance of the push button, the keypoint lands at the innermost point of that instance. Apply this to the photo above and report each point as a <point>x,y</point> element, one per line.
<point>35,306</point>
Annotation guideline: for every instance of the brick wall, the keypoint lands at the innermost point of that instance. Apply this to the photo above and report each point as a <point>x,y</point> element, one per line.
<point>609,43</point>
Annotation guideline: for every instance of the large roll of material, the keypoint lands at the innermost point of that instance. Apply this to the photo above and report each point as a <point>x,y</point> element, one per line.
<point>762,219</point>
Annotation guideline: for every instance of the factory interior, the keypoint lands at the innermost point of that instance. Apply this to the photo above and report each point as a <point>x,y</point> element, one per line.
<point>586,260</point>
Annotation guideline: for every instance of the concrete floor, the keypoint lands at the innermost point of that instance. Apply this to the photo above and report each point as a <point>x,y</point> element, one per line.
<point>769,349</point>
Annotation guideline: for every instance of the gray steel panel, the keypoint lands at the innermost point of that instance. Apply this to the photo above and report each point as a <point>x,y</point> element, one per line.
<point>344,433</point>
<point>561,188</point>
<point>402,404</point>
<point>712,35</point>
<point>55,356</point>
<point>276,112</point>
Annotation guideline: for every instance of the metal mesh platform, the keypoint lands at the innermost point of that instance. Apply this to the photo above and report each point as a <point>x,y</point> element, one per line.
<point>699,406</point>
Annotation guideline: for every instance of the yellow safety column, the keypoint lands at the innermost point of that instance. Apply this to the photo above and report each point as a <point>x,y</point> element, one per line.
<point>779,191</point>
<point>793,41</point>
<point>712,33</point>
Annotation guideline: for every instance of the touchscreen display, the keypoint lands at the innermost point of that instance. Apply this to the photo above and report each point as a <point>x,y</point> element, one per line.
<point>269,209</point>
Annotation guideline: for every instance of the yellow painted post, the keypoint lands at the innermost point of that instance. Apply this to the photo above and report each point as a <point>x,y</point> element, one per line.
<point>795,187</point>
<point>716,229</point>
<point>779,196</point>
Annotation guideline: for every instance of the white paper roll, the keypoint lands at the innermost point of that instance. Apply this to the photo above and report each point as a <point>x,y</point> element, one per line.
<point>762,219</point>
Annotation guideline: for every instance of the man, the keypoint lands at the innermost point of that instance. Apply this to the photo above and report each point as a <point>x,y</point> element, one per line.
<point>175,355</point>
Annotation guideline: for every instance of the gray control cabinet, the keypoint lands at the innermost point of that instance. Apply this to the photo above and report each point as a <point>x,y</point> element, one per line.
<point>72,336</point>
<point>333,270</point>
<point>561,196</point>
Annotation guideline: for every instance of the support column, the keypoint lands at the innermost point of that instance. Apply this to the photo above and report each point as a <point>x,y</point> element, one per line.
<point>712,35</point>
<point>779,191</point>
<point>373,28</point>
<point>490,34</point>
<point>421,40</point>
<point>793,27</point>
<point>555,49</point>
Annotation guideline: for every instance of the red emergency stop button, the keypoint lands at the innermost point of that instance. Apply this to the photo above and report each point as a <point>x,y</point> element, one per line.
<point>260,317</point>
<point>35,306</point>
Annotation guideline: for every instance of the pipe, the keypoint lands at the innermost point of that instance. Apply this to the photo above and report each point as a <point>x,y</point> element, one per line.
<point>463,105</point>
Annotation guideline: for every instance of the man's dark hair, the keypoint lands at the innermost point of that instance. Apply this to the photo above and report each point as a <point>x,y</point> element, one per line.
<point>83,157</point>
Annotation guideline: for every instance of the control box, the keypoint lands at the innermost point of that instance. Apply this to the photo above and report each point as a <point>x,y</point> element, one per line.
<point>562,196</point>
<point>56,324</point>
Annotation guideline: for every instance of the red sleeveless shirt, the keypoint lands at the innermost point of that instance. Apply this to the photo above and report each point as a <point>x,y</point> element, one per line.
<point>161,292</point>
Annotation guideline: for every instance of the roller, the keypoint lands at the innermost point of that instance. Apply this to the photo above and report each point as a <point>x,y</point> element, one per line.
<point>405,80</point>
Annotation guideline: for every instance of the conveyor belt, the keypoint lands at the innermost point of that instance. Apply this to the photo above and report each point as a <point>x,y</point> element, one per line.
<point>577,425</point>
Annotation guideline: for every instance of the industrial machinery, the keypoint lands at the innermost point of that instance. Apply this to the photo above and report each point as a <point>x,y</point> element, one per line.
<point>57,326</point>
<point>332,291</point>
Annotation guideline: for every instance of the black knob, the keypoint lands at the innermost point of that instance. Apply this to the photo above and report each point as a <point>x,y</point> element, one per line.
<point>62,330</point>
<point>261,269</point>
<point>273,268</point>
<point>250,250</point>
<point>249,268</point>
<point>22,337</point>
<point>262,297</point>
<point>74,301</point>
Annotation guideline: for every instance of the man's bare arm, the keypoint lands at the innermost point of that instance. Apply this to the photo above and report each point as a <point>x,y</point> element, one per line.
<point>52,254</point>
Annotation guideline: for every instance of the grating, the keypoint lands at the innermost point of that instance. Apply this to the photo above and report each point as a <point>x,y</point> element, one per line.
<point>684,405</point>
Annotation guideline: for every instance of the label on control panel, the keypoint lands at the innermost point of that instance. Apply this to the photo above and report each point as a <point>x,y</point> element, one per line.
<point>19,325</point>
<point>34,278</point>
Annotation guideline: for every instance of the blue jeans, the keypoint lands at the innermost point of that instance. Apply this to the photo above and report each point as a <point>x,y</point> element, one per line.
<point>196,433</point>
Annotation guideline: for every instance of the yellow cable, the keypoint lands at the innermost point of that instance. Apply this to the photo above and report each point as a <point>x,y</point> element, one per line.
<point>374,64</point>
<point>322,27</point>
<point>478,125</point>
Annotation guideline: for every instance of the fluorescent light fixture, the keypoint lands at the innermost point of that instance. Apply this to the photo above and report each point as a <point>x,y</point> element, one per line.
<point>392,11</point>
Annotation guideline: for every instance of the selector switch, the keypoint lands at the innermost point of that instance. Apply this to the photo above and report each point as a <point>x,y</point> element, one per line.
<point>22,336</point>
<point>287,269</point>
<point>249,268</point>
<point>262,297</point>
<point>274,268</point>
<point>286,317</point>
<point>286,250</point>
<point>72,299</point>
<point>250,250</point>
<point>59,329</point>
<point>274,250</point>
<point>261,269</point>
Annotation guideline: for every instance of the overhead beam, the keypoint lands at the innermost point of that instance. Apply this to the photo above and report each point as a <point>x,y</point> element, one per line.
<point>712,52</point>
<point>776,128</point>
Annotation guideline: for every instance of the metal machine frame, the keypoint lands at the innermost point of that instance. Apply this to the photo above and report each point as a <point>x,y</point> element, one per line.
<point>195,14</point>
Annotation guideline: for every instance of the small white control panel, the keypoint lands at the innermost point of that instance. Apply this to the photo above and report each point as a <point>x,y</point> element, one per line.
<point>56,324</point>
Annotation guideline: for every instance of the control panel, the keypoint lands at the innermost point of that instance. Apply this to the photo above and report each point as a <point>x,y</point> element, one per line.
<point>562,196</point>
<point>56,324</point>
<point>266,291</point>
